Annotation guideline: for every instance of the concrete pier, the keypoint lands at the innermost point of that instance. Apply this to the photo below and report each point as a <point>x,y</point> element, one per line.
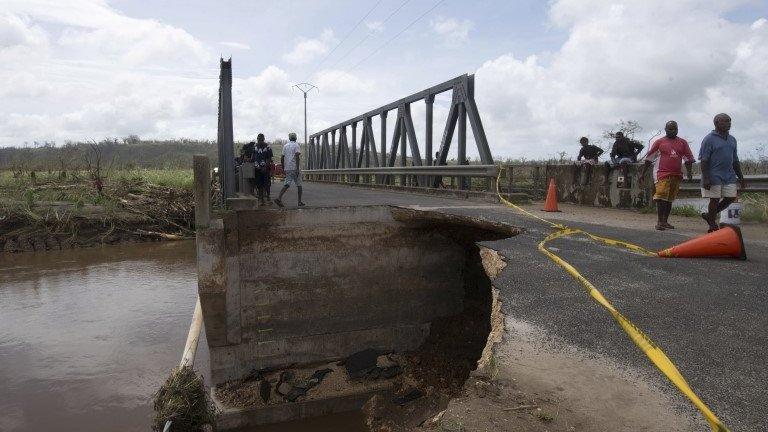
<point>281,287</point>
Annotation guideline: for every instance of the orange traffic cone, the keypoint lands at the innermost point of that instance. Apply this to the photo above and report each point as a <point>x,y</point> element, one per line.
<point>724,242</point>
<point>550,205</point>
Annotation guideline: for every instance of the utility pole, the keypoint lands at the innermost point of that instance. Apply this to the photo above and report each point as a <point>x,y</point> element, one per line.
<point>305,88</point>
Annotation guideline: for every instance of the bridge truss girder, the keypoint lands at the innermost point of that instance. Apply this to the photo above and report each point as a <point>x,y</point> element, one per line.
<point>326,154</point>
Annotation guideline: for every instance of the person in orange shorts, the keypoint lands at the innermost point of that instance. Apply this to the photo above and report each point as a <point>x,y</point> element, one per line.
<point>667,155</point>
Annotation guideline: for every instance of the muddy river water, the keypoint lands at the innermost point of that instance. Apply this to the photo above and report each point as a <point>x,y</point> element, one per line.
<point>87,336</point>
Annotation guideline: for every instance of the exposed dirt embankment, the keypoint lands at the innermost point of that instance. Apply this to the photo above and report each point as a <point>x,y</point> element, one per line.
<point>125,211</point>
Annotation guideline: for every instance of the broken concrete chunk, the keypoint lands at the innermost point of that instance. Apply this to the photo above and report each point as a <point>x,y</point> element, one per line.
<point>385,362</point>
<point>360,364</point>
<point>286,376</point>
<point>391,372</point>
<point>284,388</point>
<point>265,390</point>
<point>411,395</point>
<point>321,373</point>
<point>295,393</point>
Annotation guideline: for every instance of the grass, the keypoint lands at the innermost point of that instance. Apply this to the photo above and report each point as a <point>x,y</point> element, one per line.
<point>755,207</point>
<point>79,189</point>
<point>686,210</point>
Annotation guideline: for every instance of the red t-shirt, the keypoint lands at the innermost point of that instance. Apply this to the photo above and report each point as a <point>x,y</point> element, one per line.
<point>667,156</point>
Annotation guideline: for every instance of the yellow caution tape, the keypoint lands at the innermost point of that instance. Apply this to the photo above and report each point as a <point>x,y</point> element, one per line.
<point>654,353</point>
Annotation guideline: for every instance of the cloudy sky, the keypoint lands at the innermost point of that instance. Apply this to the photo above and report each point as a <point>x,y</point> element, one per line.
<point>546,72</point>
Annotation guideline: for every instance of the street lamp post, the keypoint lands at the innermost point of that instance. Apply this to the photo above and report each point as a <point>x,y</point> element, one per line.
<point>305,88</point>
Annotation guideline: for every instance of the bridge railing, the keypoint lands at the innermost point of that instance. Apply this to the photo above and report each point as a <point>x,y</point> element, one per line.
<point>477,177</point>
<point>332,150</point>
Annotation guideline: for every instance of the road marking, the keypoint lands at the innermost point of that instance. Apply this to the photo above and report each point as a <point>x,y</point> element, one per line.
<point>640,339</point>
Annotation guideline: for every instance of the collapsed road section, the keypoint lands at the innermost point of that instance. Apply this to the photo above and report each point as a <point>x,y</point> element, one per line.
<point>314,311</point>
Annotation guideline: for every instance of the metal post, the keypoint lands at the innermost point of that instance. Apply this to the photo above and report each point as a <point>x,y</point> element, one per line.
<point>305,88</point>
<point>305,118</point>
<point>383,143</point>
<point>462,140</point>
<point>225,138</point>
<point>201,168</point>
<point>430,100</point>
<point>354,150</point>
<point>403,158</point>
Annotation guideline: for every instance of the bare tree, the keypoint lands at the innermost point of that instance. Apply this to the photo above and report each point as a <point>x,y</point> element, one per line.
<point>628,127</point>
<point>93,165</point>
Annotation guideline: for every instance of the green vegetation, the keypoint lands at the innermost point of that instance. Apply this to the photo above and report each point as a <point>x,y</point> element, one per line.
<point>755,208</point>
<point>686,210</point>
<point>82,208</point>
<point>544,416</point>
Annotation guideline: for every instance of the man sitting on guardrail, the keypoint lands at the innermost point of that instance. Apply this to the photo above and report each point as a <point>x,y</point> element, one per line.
<point>667,155</point>
<point>587,158</point>
<point>291,162</point>
<point>623,153</point>
<point>720,167</point>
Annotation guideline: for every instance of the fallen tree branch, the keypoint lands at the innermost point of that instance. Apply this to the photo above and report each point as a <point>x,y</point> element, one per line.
<point>161,235</point>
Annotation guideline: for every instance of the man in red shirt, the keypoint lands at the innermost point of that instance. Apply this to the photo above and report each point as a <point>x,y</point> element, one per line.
<point>667,155</point>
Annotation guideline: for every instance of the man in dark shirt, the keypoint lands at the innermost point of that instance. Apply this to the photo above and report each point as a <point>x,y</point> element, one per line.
<point>262,158</point>
<point>587,157</point>
<point>623,153</point>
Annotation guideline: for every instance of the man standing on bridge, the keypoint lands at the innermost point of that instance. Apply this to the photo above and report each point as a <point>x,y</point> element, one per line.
<point>667,155</point>
<point>719,169</point>
<point>290,159</point>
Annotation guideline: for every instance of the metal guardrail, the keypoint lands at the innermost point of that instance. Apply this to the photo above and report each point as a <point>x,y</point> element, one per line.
<point>414,176</point>
<point>755,183</point>
<point>442,170</point>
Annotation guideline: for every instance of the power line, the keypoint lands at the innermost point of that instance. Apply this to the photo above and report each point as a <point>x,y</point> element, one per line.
<point>369,34</point>
<point>345,37</point>
<point>395,36</point>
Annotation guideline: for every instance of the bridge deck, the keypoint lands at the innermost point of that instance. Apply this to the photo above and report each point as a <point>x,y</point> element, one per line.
<point>708,316</point>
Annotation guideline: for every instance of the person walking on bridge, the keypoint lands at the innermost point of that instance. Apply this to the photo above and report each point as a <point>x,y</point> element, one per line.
<point>290,159</point>
<point>720,167</point>
<point>262,158</point>
<point>667,155</point>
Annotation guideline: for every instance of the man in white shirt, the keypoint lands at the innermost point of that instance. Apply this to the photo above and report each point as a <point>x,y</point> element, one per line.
<point>291,162</point>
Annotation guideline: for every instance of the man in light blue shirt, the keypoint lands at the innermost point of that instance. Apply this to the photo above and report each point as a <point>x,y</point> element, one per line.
<point>720,168</point>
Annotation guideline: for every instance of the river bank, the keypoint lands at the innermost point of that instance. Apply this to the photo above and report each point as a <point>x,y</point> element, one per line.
<point>52,211</point>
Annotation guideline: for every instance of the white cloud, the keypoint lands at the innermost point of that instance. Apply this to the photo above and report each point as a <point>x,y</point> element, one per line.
<point>15,31</point>
<point>236,45</point>
<point>305,50</point>
<point>341,83</point>
<point>452,31</point>
<point>375,26</point>
<point>649,61</point>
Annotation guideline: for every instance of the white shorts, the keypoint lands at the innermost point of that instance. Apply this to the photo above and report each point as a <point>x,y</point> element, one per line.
<point>587,162</point>
<point>292,176</point>
<point>720,191</point>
